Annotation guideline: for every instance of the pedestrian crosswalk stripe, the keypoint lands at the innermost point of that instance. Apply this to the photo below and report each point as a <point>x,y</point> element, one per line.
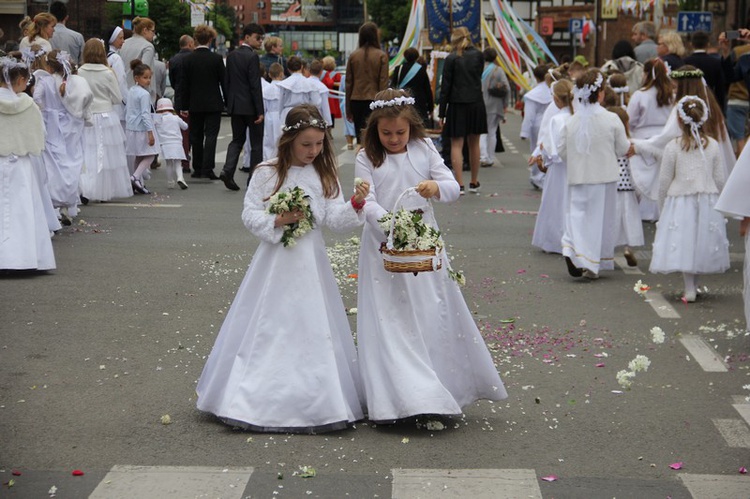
<point>142,205</point>
<point>716,486</point>
<point>744,409</point>
<point>461,483</point>
<point>734,431</point>
<point>172,482</point>
<point>661,306</point>
<point>707,358</point>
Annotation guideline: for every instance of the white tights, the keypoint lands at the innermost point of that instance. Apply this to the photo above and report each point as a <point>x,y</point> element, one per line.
<point>143,163</point>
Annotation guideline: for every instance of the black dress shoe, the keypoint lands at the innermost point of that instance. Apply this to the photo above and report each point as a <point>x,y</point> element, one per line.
<point>245,169</point>
<point>210,175</point>
<point>572,269</point>
<point>229,182</point>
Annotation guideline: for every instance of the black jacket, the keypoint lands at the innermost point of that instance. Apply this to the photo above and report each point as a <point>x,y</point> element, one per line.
<point>462,79</point>
<point>202,82</point>
<point>244,93</point>
<point>712,72</point>
<point>175,72</point>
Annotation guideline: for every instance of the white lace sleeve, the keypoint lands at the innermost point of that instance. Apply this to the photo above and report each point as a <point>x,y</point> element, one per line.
<point>363,169</point>
<point>254,214</point>
<point>340,215</point>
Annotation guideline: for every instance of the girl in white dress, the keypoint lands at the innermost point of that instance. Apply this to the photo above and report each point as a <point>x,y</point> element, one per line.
<point>691,235</point>
<point>24,237</point>
<point>169,128</point>
<point>420,350</point>
<point>105,174</point>
<point>296,89</point>
<point>65,101</point>
<point>734,202</point>
<point>591,142</point>
<point>284,359</point>
<point>139,123</point>
<point>648,112</point>
<point>628,226</point>
<point>535,102</point>
<point>550,221</point>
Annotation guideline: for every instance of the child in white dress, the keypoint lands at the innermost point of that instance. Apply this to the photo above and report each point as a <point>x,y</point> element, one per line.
<point>628,225</point>
<point>734,202</point>
<point>550,221</point>
<point>169,128</point>
<point>421,353</point>
<point>691,235</point>
<point>24,237</point>
<point>535,102</point>
<point>105,174</point>
<point>296,89</point>
<point>65,101</point>
<point>284,359</point>
<point>139,125</point>
<point>591,142</point>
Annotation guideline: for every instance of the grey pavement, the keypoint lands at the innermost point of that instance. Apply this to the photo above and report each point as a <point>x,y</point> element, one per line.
<point>94,354</point>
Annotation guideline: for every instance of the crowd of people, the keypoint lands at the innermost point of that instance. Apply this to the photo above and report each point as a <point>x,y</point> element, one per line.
<point>645,138</point>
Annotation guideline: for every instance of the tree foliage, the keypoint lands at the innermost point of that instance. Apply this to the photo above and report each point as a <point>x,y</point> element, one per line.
<point>391,16</point>
<point>172,20</point>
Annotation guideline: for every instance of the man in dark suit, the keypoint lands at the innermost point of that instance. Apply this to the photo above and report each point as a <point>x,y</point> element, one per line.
<point>710,65</point>
<point>244,102</point>
<point>187,45</point>
<point>202,94</point>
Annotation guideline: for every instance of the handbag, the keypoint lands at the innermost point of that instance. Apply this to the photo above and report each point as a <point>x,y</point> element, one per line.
<point>499,91</point>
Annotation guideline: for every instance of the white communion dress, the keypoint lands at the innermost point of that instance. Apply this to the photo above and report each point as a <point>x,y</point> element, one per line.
<point>421,352</point>
<point>284,359</point>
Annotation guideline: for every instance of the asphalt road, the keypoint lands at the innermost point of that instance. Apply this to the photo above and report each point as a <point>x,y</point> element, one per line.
<point>94,354</point>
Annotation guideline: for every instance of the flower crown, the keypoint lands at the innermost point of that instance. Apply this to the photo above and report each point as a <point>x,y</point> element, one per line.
<point>7,63</point>
<point>692,101</point>
<point>396,101</point>
<point>679,74</point>
<point>314,123</point>
<point>63,58</point>
<point>583,93</point>
<point>29,56</point>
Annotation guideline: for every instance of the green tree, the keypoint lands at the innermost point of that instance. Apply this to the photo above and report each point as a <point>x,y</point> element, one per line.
<point>391,16</point>
<point>172,20</point>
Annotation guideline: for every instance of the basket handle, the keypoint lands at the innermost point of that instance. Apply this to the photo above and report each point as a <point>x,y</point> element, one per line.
<point>396,206</point>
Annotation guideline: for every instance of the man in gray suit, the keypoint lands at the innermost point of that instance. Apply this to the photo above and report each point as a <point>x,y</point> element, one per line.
<point>244,102</point>
<point>643,36</point>
<point>64,38</point>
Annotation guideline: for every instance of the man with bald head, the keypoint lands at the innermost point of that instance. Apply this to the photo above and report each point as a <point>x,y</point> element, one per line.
<point>187,44</point>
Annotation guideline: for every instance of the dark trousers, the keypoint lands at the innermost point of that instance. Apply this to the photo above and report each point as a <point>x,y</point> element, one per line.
<point>204,130</point>
<point>186,144</point>
<point>360,112</point>
<point>241,123</point>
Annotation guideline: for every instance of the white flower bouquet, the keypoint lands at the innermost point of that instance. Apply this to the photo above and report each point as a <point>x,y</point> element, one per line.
<point>291,200</point>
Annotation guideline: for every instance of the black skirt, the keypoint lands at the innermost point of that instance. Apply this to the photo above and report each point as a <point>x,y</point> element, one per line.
<point>462,119</point>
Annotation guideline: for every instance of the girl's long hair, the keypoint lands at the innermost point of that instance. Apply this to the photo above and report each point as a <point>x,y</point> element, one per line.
<point>655,75</point>
<point>373,148</point>
<point>694,110</point>
<point>563,91</point>
<point>461,40</point>
<point>714,127</point>
<point>324,163</point>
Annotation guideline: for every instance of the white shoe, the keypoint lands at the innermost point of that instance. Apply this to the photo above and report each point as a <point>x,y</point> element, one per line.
<point>183,185</point>
<point>689,296</point>
<point>590,275</point>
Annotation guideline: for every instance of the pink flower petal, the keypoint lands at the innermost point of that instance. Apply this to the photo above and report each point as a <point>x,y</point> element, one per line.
<point>742,470</point>
<point>550,478</point>
<point>684,300</point>
<point>676,466</point>
<point>544,276</point>
<point>599,365</point>
<point>521,271</point>
<point>77,473</point>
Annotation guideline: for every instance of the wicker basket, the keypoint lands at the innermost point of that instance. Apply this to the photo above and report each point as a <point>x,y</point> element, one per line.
<point>413,261</point>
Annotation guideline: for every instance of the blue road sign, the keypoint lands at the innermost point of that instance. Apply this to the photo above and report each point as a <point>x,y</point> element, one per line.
<point>575,26</point>
<point>689,22</point>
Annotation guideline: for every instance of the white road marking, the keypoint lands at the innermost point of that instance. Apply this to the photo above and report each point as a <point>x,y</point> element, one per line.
<point>167,482</point>
<point>734,431</point>
<point>661,306</point>
<point>706,356</point>
<point>716,486</point>
<point>142,205</point>
<point>744,409</point>
<point>458,484</point>
<point>626,269</point>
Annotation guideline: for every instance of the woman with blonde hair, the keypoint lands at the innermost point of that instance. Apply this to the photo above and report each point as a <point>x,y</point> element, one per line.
<point>38,31</point>
<point>671,49</point>
<point>140,46</point>
<point>462,104</point>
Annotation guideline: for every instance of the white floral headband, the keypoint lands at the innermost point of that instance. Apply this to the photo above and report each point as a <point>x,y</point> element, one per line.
<point>396,101</point>
<point>29,56</point>
<point>64,58</point>
<point>314,123</point>
<point>583,93</point>
<point>8,63</point>
<point>691,101</point>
